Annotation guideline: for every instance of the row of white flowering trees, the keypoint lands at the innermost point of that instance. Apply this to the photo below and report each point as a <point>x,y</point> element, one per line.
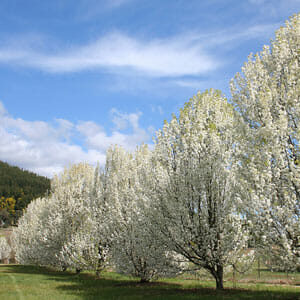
<point>220,174</point>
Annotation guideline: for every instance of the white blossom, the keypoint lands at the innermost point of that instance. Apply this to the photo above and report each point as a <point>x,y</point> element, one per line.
<point>135,250</point>
<point>266,95</point>
<point>195,195</point>
<point>5,249</point>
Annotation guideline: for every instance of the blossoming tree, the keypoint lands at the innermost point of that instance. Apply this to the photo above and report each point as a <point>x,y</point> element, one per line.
<point>28,238</point>
<point>266,95</point>
<point>135,250</point>
<point>65,229</point>
<point>5,249</point>
<point>195,196</point>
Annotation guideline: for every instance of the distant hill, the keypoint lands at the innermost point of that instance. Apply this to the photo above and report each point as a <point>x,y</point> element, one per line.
<point>17,188</point>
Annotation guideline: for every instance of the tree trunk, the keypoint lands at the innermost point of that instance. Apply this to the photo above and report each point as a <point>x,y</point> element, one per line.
<point>98,271</point>
<point>258,267</point>
<point>219,278</point>
<point>233,279</point>
<point>144,280</point>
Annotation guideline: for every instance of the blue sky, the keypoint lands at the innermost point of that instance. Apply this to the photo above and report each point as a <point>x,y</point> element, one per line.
<point>79,76</point>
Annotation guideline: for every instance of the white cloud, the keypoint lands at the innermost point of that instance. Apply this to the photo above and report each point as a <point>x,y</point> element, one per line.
<point>47,148</point>
<point>274,3</point>
<point>96,138</point>
<point>122,121</point>
<point>274,8</point>
<point>117,3</point>
<point>229,38</point>
<point>157,109</point>
<point>190,54</point>
<point>189,83</point>
<point>201,85</point>
<point>2,110</point>
<point>90,9</point>
<point>257,2</point>
<point>161,57</point>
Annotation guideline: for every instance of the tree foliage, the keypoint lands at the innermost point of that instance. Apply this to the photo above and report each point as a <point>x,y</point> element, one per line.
<point>64,229</point>
<point>135,249</point>
<point>5,249</point>
<point>196,205</point>
<point>266,95</point>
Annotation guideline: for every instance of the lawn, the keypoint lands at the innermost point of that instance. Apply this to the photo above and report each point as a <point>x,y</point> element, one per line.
<point>36,283</point>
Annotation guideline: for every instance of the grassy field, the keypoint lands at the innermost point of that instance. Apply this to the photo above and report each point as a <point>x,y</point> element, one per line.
<point>35,283</point>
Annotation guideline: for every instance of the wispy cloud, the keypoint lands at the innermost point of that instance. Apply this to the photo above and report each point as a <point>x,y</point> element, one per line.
<point>96,138</point>
<point>191,54</point>
<point>90,9</point>
<point>157,109</point>
<point>274,8</point>
<point>47,148</point>
<point>190,83</point>
<point>161,57</point>
<point>117,3</point>
<point>230,37</point>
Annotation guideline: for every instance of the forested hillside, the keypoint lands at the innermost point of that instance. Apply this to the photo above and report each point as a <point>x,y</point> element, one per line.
<point>17,188</point>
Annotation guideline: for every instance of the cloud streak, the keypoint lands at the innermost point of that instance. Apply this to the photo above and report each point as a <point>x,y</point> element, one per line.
<point>169,57</point>
<point>274,8</point>
<point>183,55</point>
<point>47,148</point>
<point>88,10</point>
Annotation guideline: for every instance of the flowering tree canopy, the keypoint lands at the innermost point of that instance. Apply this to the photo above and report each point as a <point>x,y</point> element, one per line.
<point>29,237</point>
<point>196,201</point>
<point>266,95</point>
<point>135,250</point>
<point>64,229</point>
<point>5,249</point>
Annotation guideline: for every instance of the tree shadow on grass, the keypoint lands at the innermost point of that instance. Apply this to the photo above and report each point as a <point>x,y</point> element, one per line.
<point>112,286</point>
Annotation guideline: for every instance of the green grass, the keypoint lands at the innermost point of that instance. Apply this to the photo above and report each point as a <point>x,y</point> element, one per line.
<point>35,283</point>
<point>255,275</point>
